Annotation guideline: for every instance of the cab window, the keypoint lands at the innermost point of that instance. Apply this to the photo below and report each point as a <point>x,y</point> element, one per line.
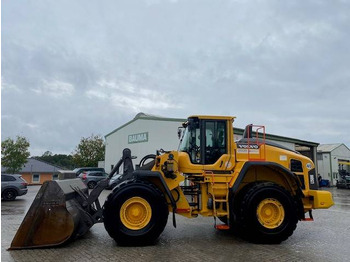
<point>215,141</point>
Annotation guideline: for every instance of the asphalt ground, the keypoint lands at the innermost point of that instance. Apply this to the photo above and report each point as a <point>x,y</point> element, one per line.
<point>325,239</point>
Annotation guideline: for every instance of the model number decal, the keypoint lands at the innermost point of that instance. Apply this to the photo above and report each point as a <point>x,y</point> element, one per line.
<point>245,151</point>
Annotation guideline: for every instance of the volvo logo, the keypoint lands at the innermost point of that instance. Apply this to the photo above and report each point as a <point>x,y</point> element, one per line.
<point>245,146</point>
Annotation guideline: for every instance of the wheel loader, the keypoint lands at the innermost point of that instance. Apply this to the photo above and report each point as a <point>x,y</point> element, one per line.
<point>257,189</point>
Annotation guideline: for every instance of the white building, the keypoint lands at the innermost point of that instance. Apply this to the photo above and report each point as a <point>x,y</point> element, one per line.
<point>146,133</point>
<point>331,158</point>
<point>143,135</point>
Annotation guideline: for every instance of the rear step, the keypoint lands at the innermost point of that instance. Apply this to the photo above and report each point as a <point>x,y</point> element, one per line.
<point>310,218</point>
<point>222,227</point>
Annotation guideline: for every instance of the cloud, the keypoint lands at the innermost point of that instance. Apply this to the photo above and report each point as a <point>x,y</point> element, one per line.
<point>32,126</point>
<point>55,89</point>
<point>6,87</point>
<point>130,97</point>
<point>92,94</point>
<point>72,68</point>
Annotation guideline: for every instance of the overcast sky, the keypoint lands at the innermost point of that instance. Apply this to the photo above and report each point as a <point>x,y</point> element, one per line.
<point>73,68</point>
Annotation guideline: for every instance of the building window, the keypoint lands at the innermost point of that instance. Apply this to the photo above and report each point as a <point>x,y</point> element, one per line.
<point>55,177</point>
<point>36,178</point>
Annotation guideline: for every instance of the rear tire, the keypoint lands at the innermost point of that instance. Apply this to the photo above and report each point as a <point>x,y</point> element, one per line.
<point>9,195</point>
<point>268,214</point>
<point>135,213</point>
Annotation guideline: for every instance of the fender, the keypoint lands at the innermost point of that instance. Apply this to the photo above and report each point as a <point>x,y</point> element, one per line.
<point>276,167</point>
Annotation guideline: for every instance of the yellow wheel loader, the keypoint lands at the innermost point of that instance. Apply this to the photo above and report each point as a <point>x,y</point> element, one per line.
<point>257,189</point>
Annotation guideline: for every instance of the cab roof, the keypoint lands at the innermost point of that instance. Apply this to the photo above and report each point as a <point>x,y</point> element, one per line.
<point>230,118</point>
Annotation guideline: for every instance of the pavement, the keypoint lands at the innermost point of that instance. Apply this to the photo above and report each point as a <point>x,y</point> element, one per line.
<point>325,239</point>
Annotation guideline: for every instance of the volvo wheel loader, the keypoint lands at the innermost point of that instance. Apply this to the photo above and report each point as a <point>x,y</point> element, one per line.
<point>257,189</point>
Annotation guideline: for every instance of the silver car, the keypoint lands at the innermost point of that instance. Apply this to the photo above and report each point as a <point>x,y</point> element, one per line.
<point>90,178</point>
<point>114,181</point>
<point>12,186</point>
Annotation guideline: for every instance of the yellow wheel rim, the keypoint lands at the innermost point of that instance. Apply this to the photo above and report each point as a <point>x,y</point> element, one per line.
<point>135,213</point>
<point>270,213</point>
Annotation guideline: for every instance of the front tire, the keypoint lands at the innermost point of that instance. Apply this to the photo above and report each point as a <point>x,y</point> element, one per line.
<point>135,213</point>
<point>268,214</point>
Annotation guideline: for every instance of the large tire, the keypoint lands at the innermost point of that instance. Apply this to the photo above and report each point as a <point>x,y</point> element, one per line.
<point>235,209</point>
<point>9,194</point>
<point>135,213</point>
<point>268,214</point>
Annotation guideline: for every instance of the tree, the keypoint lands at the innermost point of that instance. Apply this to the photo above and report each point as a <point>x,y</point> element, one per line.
<point>14,154</point>
<point>61,160</point>
<point>89,151</point>
<point>47,154</point>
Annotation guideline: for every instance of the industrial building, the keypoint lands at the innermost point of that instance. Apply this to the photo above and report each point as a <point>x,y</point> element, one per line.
<point>330,159</point>
<point>147,133</point>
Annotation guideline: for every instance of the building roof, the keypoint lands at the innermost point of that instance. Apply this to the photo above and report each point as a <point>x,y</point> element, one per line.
<point>147,117</point>
<point>238,131</point>
<point>36,166</point>
<point>326,148</point>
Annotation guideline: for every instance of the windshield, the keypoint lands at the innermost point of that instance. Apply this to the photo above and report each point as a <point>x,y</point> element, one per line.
<point>190,141</point>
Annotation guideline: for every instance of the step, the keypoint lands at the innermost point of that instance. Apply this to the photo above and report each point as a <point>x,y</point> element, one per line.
<point>220,200</point>
<point>222,227</point>
<point>190,193</point>
<point>221,214</point>
<point>219,187</point>
<point>307,219</point>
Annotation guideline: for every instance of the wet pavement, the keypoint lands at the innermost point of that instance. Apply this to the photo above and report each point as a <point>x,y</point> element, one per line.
<point>325,239</point>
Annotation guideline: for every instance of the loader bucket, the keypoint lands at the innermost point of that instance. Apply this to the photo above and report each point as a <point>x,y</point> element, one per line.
<point>55,216</point>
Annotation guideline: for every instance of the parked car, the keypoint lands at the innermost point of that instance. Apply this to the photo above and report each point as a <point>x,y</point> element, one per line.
<point>80,170</point>
<point>90,178</point>
<point>113,181</point>
<point>12,186</point>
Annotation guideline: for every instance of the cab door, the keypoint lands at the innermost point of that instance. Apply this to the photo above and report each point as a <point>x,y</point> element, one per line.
<point>215,145</point>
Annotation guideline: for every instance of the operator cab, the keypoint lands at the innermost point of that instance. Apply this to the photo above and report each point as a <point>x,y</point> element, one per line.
<point>204,140</point>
